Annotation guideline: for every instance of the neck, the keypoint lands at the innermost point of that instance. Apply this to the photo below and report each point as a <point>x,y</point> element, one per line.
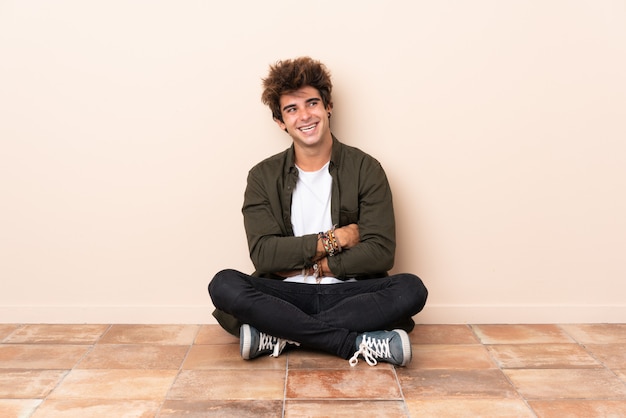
<point>312,159</point>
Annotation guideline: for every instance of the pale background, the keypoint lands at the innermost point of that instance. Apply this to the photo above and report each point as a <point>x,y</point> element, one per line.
<point>127,129</point>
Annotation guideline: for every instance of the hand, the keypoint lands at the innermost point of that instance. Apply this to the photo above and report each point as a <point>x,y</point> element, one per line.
<point>289,273</point>
<point>323,263</point>
<point>348,236</point>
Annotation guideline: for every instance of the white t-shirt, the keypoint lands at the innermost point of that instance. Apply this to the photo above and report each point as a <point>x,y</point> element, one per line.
<point>310,211</point>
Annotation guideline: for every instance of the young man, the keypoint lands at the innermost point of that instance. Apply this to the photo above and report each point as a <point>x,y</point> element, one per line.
<point>321,234</point>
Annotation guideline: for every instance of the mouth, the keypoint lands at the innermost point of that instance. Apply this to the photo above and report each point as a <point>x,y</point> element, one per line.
<point>308,128</point>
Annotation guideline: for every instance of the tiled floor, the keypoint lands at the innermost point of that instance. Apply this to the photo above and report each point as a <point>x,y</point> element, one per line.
<point>196,371</point>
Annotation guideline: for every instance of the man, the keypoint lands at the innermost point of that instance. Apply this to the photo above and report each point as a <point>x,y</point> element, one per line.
<point>321,233</point>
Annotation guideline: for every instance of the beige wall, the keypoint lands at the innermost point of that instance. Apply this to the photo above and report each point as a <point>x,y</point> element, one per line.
<point>127,129</point>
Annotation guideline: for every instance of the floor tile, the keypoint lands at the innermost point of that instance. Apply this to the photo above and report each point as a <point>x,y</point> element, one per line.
<point>57,334</point>
<point>40,356</point>
<point>309,359</point>
<point>228,356</point>
<point>597,333</point>
<point>239,409</point>
<point>151,334</point>
<point>544,370</point>
<point>467,384</point>
<point>450,356</point>
<point>6,330</point>
<point>579,409</point>
<point>125,356</point>
<point>214,334</point>
<point>469,408</point>
<point>521,334</point>
<point>18,408</point>
<point>345,408</point>
<point>80,408</point>
<point>542,356</point>
<point>115,384</point>
<point>612,356</point>
<point>364,383</point>
<point>567,384</point>
<point>228,384</point>
<point>28,384</point>
<point>442,334</point>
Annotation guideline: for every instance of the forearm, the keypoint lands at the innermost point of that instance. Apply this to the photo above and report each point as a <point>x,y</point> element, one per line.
<point>272,254</point>
<point>366,259</point>
<point>319,258</point>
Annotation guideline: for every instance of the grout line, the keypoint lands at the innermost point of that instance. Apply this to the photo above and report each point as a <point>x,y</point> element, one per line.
<point>285,385</point>
<point>500,368</point>
<point>17,328</point>
<point>593,356</point>
<point>106,331</point>
<point>395,373</point>
<point>180,369</point>
<point>91,346</point>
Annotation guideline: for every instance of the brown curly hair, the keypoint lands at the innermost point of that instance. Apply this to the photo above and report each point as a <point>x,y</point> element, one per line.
<point>290,75</point>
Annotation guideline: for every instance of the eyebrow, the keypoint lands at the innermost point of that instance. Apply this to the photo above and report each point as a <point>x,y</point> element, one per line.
<point>312,99</point>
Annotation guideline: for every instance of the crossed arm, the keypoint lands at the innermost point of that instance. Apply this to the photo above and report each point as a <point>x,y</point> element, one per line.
<point>365,224</point>
<point>348,237</point>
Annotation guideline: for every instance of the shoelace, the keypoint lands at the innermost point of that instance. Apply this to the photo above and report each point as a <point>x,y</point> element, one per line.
<point>370,349</point>
<point>272,343</point>
<point>280,346</point>
<point>266,342</point>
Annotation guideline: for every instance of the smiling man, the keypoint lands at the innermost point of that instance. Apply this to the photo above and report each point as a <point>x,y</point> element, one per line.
<point>321,233</point>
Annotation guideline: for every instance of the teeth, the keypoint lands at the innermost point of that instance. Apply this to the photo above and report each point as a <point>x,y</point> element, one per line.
<point>307,128</point>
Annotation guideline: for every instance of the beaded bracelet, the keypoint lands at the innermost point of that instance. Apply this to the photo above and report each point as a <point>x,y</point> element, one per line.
<point>328,246</point>
<point>334,240</point>
<point>330,242</point>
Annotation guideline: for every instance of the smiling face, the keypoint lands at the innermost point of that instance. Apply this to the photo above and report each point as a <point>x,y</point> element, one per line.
<point>306,118</point>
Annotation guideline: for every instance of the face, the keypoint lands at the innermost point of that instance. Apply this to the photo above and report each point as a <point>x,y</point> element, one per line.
<point>305,117</point>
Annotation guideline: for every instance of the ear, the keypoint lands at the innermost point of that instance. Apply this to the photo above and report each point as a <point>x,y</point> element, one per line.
<point>280,124</point>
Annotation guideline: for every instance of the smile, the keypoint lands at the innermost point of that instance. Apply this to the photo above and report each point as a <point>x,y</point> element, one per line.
<point>308,128</point>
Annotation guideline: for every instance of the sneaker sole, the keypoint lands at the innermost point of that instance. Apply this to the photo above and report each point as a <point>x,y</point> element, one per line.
<point>406,346</point>
<point>245,339</point>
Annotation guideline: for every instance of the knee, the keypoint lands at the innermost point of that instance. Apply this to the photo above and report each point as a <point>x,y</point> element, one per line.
<point>421,293</point>
<point>222,282</point>
<point>415,286</point>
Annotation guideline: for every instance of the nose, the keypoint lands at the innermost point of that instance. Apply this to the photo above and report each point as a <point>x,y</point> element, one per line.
<point>305,114</point>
